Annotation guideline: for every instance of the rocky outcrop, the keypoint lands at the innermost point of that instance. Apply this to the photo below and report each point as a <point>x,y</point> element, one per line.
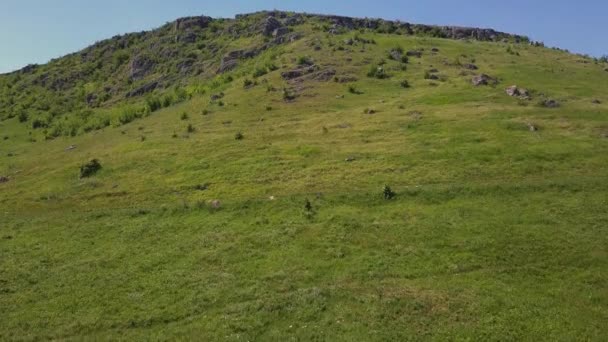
<point>291,74</point>
<point>271,25</point>
<point>188,23</point>
<point>140,66</point>
<point>550,103</point>
<point>231,59</point>
<point>146,88</point>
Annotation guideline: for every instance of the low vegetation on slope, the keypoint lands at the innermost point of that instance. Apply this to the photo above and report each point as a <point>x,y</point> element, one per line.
<point>305,177</point>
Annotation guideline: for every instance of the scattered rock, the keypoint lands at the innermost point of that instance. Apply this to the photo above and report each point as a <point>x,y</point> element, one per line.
<point>215,97</point>
<point>517,92</point>
<point>470,66</point>
<point>435,50</point>
<point>3,179</point>
<point>346,79</point>
<point>483,79</point>
<point>596,101</point>
<point>71,147</point>
<point>215,204</point>
<point>369,111</point>
<point>414,53</point>
<point>550,103</point>
<point>324,75</point>
<point>289,75</point>
<point>350,159</point>
<point>532,127</point>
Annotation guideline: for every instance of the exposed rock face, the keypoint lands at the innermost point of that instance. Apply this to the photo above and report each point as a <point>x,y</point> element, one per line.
<point>281,31</point>
<point>483,79</point>
<point>230,60</point>
<point>146,88</point>
<point>140,66</point>
<point>270,25</point>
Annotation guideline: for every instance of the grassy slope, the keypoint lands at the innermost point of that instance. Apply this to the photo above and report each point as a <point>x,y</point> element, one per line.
<point>496,232</point>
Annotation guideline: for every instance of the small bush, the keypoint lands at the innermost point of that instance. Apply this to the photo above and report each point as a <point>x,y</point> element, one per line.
<point>184,116</point>
<point>259,72</point>
<point>353,90</point>
<point>268,108</point>
<point>205,111</point>
<point>23,117</point>
<point>190,128</point>
<point>377,72</point>
<point>287,95</point>
<point>405,59</point>
<point>90,168</point>
<point>239,136</point>
<point>388,193</point>
<point>405,84</point>
<point>305,60</point>
<point>247,83</point>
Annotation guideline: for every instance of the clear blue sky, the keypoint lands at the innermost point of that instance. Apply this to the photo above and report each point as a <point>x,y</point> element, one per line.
<point>34,31</point>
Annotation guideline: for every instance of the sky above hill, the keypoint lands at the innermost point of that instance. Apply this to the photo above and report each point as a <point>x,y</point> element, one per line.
<point>34,31</point>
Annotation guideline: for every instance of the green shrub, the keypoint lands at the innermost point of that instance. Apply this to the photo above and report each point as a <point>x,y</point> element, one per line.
<point>388,193</point>
<point>90,168</point>
<point>190,128</point>
<point>259,72</point>
<point>239,136</point>
<point>23,117</point>
<point>247,83</point>
<point>184,116</point>
<point>405,84</point>
<point>377,72</point>
<point>153,103</point>
<point>305,60</point>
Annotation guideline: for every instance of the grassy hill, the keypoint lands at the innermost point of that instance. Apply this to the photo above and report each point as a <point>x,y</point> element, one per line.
<point>242,198</point>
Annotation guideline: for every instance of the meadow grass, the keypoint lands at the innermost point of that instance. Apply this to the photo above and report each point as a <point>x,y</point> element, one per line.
<point>496,232</point>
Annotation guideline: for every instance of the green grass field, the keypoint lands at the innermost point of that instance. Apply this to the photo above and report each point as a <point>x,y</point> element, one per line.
<point>496,232</point>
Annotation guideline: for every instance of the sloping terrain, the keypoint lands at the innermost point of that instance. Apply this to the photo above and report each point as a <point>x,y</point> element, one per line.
<point>287,176</point>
